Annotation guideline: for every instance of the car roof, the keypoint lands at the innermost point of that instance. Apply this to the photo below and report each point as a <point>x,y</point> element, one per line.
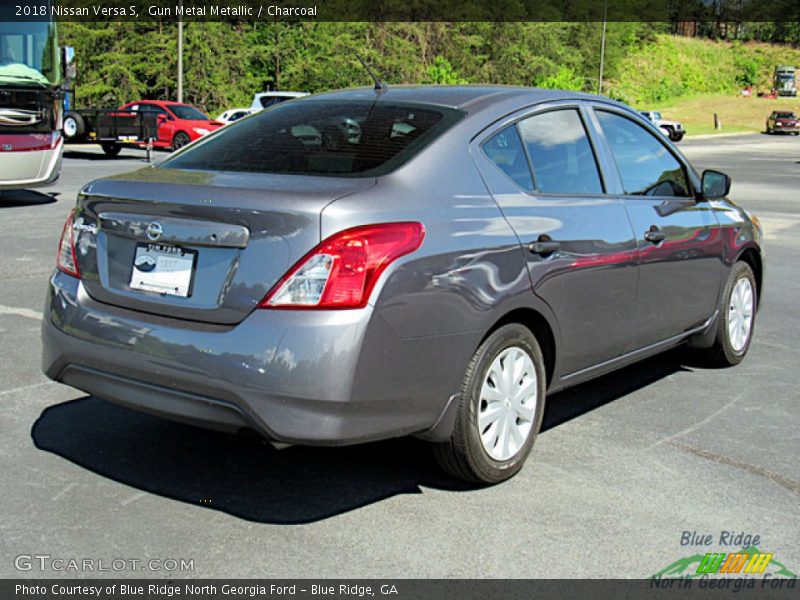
<point>160,102</point>
<point>470,98</point>
<point>273,93</point>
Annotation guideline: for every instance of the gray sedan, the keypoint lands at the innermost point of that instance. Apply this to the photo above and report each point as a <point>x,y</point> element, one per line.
<point>426,261</point>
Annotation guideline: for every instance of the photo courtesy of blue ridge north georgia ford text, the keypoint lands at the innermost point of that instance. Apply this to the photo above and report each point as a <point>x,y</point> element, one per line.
<point>356,299</point>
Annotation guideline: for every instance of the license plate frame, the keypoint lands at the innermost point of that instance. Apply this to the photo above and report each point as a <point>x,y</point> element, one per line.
<point>171,273</point>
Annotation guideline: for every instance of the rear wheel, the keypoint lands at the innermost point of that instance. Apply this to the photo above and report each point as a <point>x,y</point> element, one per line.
<point>500,409</point>
<point>737,317</point>
<point>180,140</point>
<point>111,148</point>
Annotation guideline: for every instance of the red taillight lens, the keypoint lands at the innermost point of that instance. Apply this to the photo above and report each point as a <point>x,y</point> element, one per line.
<point>66,260</point>
<point>342,270</point>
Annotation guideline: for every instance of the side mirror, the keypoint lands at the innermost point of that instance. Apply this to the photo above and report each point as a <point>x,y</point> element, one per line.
<point>162,118</point>
<point>715,185</point>
<point>68,63</point>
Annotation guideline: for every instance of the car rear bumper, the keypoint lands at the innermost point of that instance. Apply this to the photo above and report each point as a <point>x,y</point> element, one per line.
<point>305,377</point>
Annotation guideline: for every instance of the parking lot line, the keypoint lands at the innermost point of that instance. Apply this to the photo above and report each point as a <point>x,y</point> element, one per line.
<point>20,312</point>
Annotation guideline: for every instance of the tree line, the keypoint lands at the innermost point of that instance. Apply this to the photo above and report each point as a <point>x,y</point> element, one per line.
<point>226,63</point>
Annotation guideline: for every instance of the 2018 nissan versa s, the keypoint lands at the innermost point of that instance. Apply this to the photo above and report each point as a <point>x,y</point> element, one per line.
<point>419,260</point>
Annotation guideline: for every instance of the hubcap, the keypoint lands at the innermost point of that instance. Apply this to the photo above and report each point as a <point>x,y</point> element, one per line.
<point>740,314</point>
<point>70,127</point>
<point>508,399</point>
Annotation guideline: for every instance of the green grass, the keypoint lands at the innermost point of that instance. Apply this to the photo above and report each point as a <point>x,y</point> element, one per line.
<point>672,67</point>
<point>738,114</point>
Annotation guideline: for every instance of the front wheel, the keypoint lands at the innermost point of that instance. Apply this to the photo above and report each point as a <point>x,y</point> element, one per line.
<point>737,317</point>
<point>180,140</point>
<point>500,409</point>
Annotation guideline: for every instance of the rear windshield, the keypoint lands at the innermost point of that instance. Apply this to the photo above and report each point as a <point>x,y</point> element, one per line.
<point>321,137</point>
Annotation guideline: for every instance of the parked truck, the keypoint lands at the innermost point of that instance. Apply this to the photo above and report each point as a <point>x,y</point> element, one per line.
<point>786,80</point>
<point>34,73</point>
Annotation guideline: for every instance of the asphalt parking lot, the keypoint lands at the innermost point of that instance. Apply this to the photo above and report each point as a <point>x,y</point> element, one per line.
<point>625,466</point>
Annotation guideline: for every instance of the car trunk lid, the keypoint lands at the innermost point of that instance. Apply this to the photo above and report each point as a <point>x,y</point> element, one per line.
<point>228,237</point>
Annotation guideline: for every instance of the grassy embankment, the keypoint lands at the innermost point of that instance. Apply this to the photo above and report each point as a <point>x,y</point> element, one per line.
<point>690,79</point>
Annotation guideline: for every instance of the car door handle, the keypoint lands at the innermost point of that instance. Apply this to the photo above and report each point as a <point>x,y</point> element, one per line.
<point>654,235</point>
<point>543,248</point>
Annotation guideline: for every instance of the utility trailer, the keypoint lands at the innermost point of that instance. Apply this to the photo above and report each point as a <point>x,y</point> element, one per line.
<point>111,128</point>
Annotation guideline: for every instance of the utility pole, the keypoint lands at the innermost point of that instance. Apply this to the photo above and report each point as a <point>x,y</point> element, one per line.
<point>180,52</point>
<point>602,48</point>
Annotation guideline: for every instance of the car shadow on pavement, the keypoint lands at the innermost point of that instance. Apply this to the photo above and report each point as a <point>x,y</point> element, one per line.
<point>581,399</point>
<point>25,197</point>
<point>126,154</point>
<point>246,477</point>
<point>242,475</point>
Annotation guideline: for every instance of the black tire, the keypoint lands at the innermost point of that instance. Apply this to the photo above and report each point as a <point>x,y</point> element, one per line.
<point>73,127</point>
<point>464,455</point>
<point>677,137</point>
<point>180,140</point>
<point>111,148</point>
<point>722,353</point>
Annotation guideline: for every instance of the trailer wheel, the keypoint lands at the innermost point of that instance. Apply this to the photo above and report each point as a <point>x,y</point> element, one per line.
<point>74,126</point>
<point>111,148</point>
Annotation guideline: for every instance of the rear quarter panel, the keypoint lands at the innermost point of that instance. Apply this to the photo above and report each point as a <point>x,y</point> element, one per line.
<point>433,307</point>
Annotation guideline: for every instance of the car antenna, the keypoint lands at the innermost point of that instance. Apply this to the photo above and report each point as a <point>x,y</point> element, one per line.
<point>380,86</point>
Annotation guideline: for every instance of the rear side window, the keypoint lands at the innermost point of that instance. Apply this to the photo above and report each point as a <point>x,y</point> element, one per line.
<point>267,101</point>
<point>323,137</point>
<point>506,151</point>
<point>561,156</point>
<point>645,165</point>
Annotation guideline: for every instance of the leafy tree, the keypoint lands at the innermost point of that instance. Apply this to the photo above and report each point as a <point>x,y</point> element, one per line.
<point>442,72</point>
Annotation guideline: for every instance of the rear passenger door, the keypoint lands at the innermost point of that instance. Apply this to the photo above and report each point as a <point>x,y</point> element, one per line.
<point>542,169</point>
<point>679,239</point>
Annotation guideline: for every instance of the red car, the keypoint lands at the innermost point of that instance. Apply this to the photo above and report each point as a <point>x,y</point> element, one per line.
<point>178,124</point>
<point>783,121</point>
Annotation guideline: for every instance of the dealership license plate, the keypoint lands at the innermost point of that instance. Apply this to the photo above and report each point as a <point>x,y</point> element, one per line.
<point>163,269</point>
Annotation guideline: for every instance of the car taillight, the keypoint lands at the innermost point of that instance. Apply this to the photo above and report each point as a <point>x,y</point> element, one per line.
<point>67,261</point>
<point>343,269</point>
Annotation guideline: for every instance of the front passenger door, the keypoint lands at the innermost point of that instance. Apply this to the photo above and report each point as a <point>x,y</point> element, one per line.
<point>165,126</point>
<point>679,239</point>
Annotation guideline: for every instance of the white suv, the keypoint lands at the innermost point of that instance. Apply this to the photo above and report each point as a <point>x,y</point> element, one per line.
<point>672,129</point>
<point>264,100</point>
